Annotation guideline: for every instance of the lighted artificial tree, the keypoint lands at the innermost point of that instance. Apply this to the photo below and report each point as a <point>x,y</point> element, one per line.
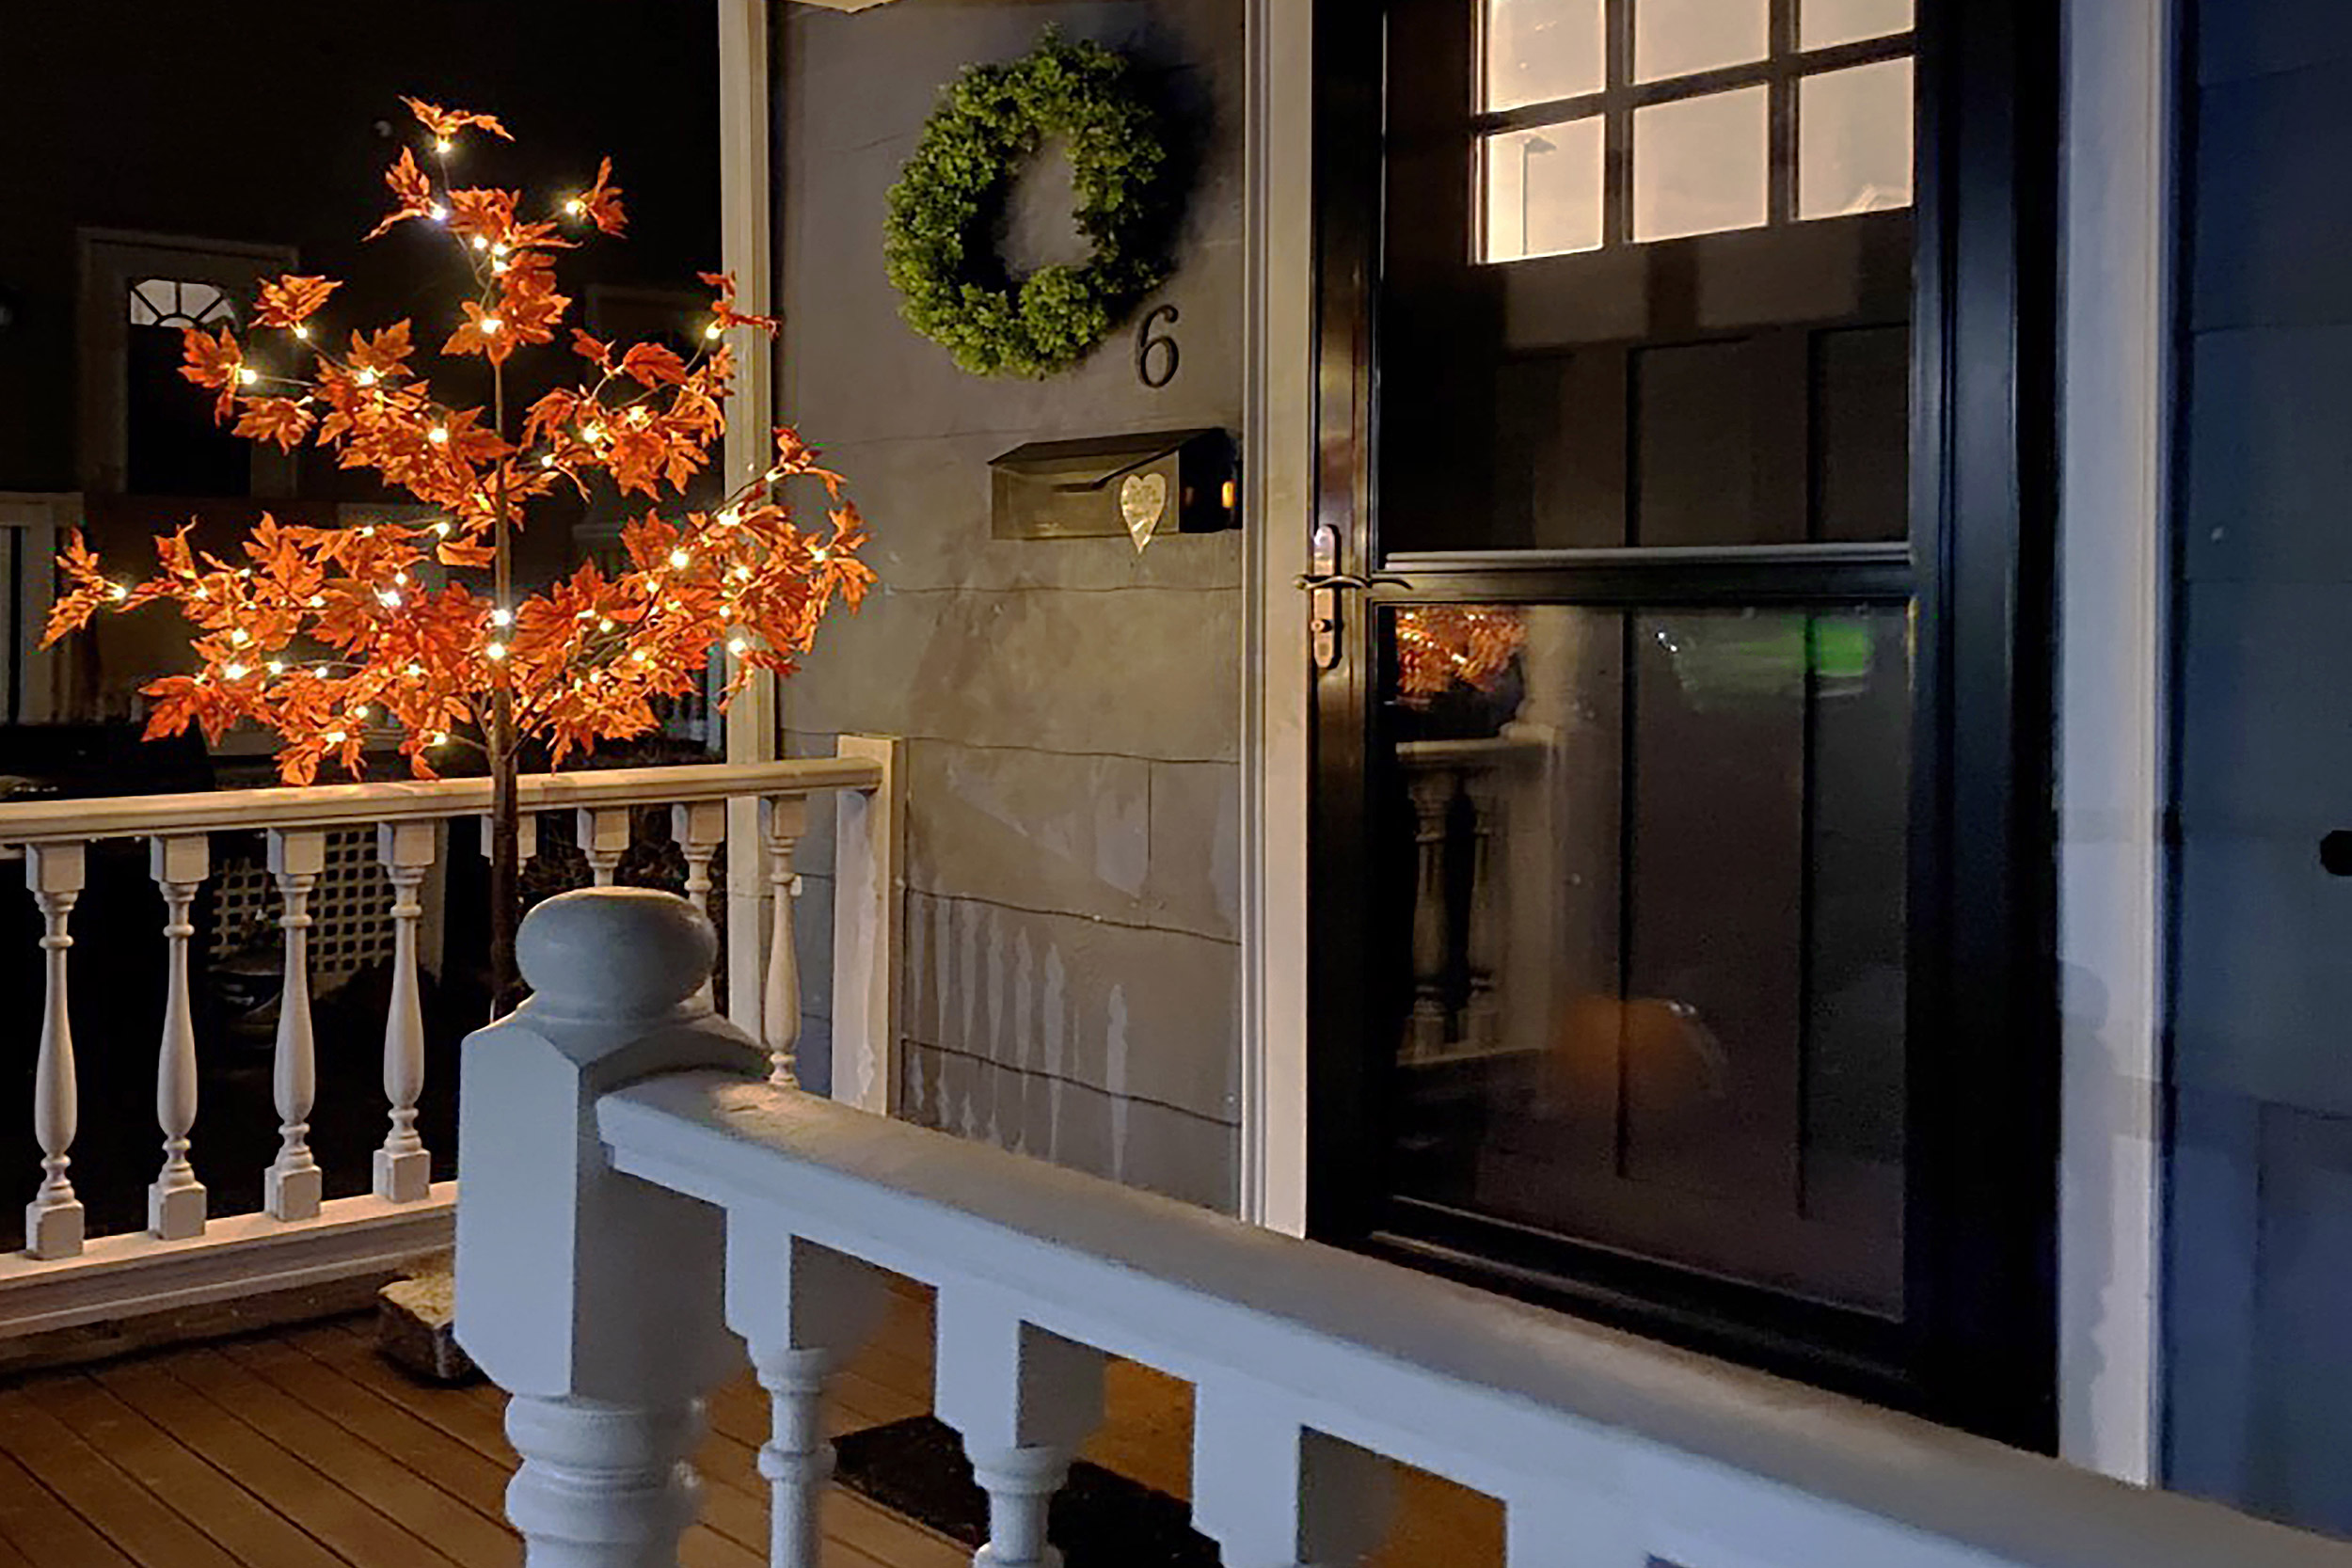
<point>325,636</point>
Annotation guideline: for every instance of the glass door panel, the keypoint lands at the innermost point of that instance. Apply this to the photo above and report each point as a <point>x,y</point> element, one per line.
<point>1642,872</point>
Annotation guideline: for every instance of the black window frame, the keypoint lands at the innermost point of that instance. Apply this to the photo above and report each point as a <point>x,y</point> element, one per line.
<point>1976,1347</point>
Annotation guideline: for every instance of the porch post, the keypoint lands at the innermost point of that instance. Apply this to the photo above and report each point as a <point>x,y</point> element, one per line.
<point>594,1299</point>
<point>745,219</point>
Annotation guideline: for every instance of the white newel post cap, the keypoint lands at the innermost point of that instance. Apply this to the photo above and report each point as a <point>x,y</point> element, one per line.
<point>572,1281</point>
<point>613,953</point>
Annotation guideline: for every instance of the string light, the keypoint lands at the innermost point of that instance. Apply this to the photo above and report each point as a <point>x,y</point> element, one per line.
<point>401,578</point>
<point>592,433</point>
<point>233,672</point>
<point>335,737</point>
<point>366,378</point>
<point>548,461</point>
<point>302,330</point>
<point>636,416</point>
<point>604,624</point>
<point>277,666</point>
<point>441,528</point>
<point>574,207</point>
<point>119,592</point>
<point>414,671</point>
<point>502,617</point>
<point>440,737</point>
<point>737,646</point>
<point>491,326</point>
<point>440,213</point>
<point>678,559</point>
<point>389,599</point>
<point>239,637</point>
<point>495,651</point>
<point>438,435</point>
<point>481,243</point>
<point>361,713</point>
<point>499,248</point>
<point>441,145</point>
<point>638,656</point>
<point>249,375</point>
<point>714,330</point>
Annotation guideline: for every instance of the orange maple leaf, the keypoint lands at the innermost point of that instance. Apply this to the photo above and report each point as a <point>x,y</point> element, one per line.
<point>291,301</point>
<point>653,364</point>
<point>284,420</point>
<point>213,362</point>
<point>385,354</point>
<point>601,202</point>
<point>411,187</point>
<point>724,307</point>
<point>448,122</point>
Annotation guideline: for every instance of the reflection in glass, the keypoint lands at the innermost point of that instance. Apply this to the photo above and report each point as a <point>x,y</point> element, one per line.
<point>1543,191</point>
<point>1853,141</point>
<point>1644,902</point>
<point>1699,164</point>
<point>1825,24</point>
<point>1676,38</point>
<point>1539,51</point>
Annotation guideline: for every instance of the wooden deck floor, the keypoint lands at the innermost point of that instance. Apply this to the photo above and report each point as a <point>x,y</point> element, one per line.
<point>303,1450</point>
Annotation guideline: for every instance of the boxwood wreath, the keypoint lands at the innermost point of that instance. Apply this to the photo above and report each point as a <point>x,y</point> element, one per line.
<point>990,122</point>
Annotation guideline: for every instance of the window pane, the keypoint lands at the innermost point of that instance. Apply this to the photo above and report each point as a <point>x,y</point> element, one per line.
<point>1699,166</point>
<point>1541,50</point>
<point>1641,929</point>
<point>1853,141</point>
<point>1675,37</point>
<point>1828,22</point>
<point>1543,191</point>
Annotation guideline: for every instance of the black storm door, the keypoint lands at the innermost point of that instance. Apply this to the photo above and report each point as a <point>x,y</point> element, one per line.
<point>1682,829</point>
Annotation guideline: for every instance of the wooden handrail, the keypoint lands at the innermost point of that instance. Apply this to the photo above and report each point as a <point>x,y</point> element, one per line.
<point>24,822</point>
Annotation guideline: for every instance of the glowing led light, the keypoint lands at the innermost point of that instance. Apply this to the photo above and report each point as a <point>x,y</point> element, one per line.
<point>638,656</point>
<point>277,666</point>
<point>498,249</point>
<point>401,578</point>
<point>335,737</point>
<point>119,592</point>
<point>440,737</point>
<point>574,207</point>
<point>302,330</point>
<point>495,651</point>
<point>491,325</point>
<point>441,528</point>
<point>441,145</point>
<point>438,435</point>
<point>636,416</point>
<point>414,671</point>
<point>248,374</point>
<point>714,330</point>
<point>604,624</point>
<point>389,599</point>
<point>502,617</point>
<point>239,637</point>
<point>363,713</point>
<point>440,213</point>
<point>367,531</point>
<point>481,243</point>
<point>594,432</point>
<point>679,558</point>
<point>316,601</point>
<point>729,517</point>
<point>741,574</point>
<point>548,461</point>
<point>366,378</point>
<point>737,646</point>
<point>234,672</point>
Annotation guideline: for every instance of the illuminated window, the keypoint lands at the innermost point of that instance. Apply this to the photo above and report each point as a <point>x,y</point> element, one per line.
<point>174,303</point>
<point>1611,123</point>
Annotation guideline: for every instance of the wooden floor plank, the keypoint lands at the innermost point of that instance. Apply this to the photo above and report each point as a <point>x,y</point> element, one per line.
<point>250,1530</point>
<point>47,1532</point>
<point>140,1524</point>
<point>362,1535</point>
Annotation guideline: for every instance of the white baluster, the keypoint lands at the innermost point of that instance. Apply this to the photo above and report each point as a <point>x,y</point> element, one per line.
<point>782,821</point>
<point>403,1169</point>
<point>175,1201</point>
<point>1275,1494</point>
<point>804,1310</point>
<point>1482,1025</point>
<point>699,827</point>
<point>53,1221</point>
<point>1024,1400</point>
<point>1425,1031</point>
<point>291,1189</point>
<point>602,832</point>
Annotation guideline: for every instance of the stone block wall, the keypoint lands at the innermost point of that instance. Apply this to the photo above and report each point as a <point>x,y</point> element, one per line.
<point>1070,709</point>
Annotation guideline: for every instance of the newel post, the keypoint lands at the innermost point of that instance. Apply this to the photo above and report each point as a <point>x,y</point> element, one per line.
<point>595,1299</point>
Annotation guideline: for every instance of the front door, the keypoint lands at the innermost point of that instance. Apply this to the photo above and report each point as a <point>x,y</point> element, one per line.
<point>1680,564</point>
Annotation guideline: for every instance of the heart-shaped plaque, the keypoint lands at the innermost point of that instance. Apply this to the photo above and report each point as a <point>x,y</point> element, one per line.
<point>1143,501</point>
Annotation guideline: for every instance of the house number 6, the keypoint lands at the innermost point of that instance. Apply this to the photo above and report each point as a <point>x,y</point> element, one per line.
<point>1156,353</point>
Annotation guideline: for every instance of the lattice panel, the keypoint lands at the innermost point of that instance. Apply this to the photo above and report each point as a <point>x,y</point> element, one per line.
<point>351,906</point>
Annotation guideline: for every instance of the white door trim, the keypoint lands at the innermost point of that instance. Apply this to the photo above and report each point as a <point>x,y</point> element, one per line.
<point>2119,208</point>
<point>1279,441</point>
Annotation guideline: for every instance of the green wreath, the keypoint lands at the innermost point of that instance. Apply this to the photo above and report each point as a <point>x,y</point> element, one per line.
<point>988,123</point>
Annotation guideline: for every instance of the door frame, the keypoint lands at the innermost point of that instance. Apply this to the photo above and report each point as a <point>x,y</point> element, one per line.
<point>2119,112</point>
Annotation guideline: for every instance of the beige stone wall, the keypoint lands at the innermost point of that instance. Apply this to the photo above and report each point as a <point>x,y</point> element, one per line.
<point>1070,710</point>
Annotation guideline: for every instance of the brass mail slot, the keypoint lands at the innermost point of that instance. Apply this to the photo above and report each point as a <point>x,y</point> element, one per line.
<point>1112,486</point>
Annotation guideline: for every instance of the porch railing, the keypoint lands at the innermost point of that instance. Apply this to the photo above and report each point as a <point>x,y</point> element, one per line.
<point>636,1189</point>
<point>315,859</point>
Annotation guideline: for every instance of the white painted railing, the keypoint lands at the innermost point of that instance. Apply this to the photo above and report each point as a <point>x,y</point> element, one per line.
<point>635,1191</point>
<point>186,1255</point>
